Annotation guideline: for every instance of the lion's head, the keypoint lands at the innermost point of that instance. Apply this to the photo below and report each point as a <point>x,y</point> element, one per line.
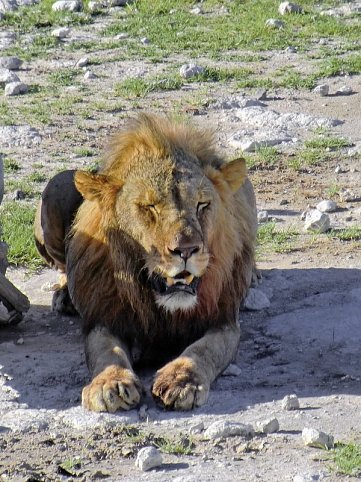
<point>169,208</point>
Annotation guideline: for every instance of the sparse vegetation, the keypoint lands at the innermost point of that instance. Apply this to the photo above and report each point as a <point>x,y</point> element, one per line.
<point>270,238</point>
<point>347,459</point>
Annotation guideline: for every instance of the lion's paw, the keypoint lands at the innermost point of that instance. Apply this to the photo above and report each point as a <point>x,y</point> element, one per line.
<point>113,389</point>
<point>177,385</point>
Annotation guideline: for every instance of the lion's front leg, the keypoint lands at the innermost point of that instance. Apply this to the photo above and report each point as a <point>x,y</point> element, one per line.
<point>184,383</point>
<point>115,385</point>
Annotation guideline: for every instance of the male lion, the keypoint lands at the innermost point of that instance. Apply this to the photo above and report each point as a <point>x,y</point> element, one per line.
<point>158,259</point>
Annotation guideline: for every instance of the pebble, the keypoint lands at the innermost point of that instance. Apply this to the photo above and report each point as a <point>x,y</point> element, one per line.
<point>306,478</point>
<point>290,402</point>
<point>67,6</point>
<point>326,206</point>
<point>262,217</point>
<point>224,429</point>
<point>7,76</point>
<point>122,36</point>
<point>232,370</point>
<point>274,23</point>
<point>145,41</point>
<point>322,90</point>
<point>10,63</point>
<point>196,11</point>
<point>89,75</point>
<point>190,70</point>
<point>344,90</point>
<point>82,62</point>
<point>60,32</point>
<point>270,425</point>
<point>18,195</point>
<point>95,6</point>
<point>290,49</point>
<point>347,195</point>
<point>15,88</point>
<point>148,458</point>
<point>338,169</point>
<point>256,300</point>
<point>316,438</point>
<point>317,221</point>
<point>20,341</point>
<point>196,428</point>
<point>289,7</point>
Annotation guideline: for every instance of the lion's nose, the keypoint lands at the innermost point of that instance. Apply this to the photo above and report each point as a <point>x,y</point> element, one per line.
<point>185,252</point>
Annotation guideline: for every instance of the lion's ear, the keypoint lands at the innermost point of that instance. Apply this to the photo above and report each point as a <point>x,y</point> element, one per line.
<point>234,173</point>
<point>96,187</point>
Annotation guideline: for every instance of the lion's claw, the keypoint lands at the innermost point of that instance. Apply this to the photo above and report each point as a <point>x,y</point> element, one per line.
<point>178,386</point>
<point>113,389</point>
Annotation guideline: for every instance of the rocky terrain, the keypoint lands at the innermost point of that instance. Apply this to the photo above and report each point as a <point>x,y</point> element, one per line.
<point>82,76</point>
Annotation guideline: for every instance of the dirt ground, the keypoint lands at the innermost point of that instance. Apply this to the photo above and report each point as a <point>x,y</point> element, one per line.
<point>308,342</point>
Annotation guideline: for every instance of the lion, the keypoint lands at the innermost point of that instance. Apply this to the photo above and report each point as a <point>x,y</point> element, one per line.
<point>156,251</point>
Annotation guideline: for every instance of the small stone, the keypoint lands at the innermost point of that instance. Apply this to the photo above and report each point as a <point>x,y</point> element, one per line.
<point>89,75</point>
<point>95,6</point>
<point>256,300</point>
<point>145,41</point>
<point>326,206</point>
<point>18,195</point>
<point>291,49</point>
<point>344,90</point>
<point>82,62</point>
<point>290,402</point>
<point>224,429</point>
<point>270,425</point>
<point>196,11</point>
<point>317,221</point>
<point>283,202</point>
<point>20,341</point>
<point>190,70</point>
<point>316,438</point>
<point>122,36</point>
<point>119,3</point>
<point>143,412</point>
<point>7,76</point>
<point>10,63</point>
<point>15,88</point>
<point>67,6</point>
<point>60,32</point>
<point>232,371</point>
<point>196,428</point>
<point>289,7</point>
<point>274,23</point>
<point>347,196</point>
<point>262,217</point>
<point>322,90</point>
<point>148,458</point>
<point>338,169</point>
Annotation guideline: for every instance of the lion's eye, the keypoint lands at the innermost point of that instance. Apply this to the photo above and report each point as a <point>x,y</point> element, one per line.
<point>202,206</point>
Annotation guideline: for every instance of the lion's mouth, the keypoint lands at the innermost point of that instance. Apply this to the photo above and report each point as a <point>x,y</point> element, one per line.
<point>183,282</point>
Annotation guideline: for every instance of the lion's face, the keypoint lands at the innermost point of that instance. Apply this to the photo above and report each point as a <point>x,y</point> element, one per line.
<point>170,215</point>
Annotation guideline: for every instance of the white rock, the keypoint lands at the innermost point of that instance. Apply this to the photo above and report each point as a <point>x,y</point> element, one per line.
<point>290,402</point>
<point>60,32</point>
<point>344,90</point>
<point>322,89</point>
<point>224,429</point>
<point>251,141</point>
<point>67,5</point>
<point>95,6</point>
<point>343,11</point>
<point>7,76</point>
<point>10,63</point>
<point>314,438</point>
<point>262,216</point>
<point>122,36</point>
<point>270,425</point>
<point>232,371</point>
<point>289,7</point>
<point>89,75</point>
<point>119,3</point>
<point>8,5</point>
<point>16,88</point>
<point>338,169</point>
<point>20,341</point>
<point>275,23</point>
<point>190,70</point>
<point>326,206</point>
<point>148,458</point>
<point>196,11</point>
<point>317,221</point>
<point>196,428</point>
<point>256,300</point>
<point>290,49</point>
<point>82,62</point>
<point>347,196</point>
<point>144,41</point>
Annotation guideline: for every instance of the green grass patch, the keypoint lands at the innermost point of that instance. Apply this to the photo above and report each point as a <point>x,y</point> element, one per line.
<point>264,157</point>
<point>63,77</point>
<point>217,74</point>
<point>37,177</point>
<point>138,87</point>
<point>347,459</point>
<point>17,221</point>
<point>271,239</point>
<point>340,65</point>
<point>352,233</point>
<point>181,446</point>
<point>327,142</point>
<point>306,158</point>
<point>11,165</point>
